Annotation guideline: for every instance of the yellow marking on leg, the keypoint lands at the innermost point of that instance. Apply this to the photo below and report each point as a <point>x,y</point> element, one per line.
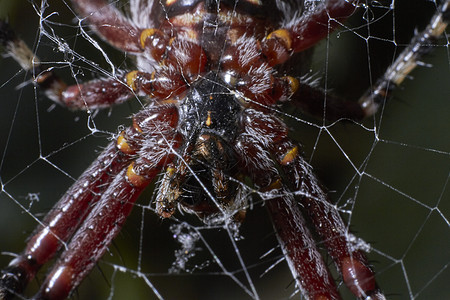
<point>276,185</point>
<point>289,156</point>
<point>134,178</point>
<point>283,36</point>
<point>123,146</point>
<point>131,79</point>
<point>146,33</point>
<point>293,83</point>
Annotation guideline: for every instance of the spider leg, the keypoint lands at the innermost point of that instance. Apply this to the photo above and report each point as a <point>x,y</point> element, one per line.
<point>291,172</point>
<point>61,222</point>
<point>302,33</point>
<point>340,243</point>
<point>110,24</point>
<point>95,94</point>
<point>150,137</point>
<point>317,103</point>
<point>298,246</point>
<point>94,236</point>
<point>312,28</point>
<point>106,219</point>
<point>305,261</point>
<point>407,61</point>
<point>307,30</point>
<point>312,99</point>
<point>165,82</point>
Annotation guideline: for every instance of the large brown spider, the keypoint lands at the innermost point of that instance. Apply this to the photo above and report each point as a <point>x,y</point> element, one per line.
<point>210,70</point>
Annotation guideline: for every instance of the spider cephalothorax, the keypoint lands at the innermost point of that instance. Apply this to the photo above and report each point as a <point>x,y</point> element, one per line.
<point>210,117</point>
<point>210,72</point>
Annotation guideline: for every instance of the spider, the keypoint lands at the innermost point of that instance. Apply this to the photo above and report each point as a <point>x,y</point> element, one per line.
<point>209,70</point>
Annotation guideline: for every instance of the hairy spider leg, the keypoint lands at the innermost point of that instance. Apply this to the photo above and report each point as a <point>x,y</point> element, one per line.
<point>307,266</point>
<point>151,134</point>
<point>300,34</point>
<point>152,137</point>
<point>110,23</point>
<point>321,105</point>
<point>313,279</point>
<point>93,237</point>
<point>271,137</point>
<point>311,99</point>
<point>341,245</point>
<point>407,61</point>
<point>61,222</point>
<point>96,94</point>
<point>307,30</point>
<point>165,82</point>
<point>117,30</point>
<point>153,141</point>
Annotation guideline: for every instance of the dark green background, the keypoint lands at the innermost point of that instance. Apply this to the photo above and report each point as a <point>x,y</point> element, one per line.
<point>407,235</point>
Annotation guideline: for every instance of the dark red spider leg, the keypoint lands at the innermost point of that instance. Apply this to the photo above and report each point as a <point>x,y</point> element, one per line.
<point>304,260</point>
<point>306,263</point>
<point>93,238</point>
<point>341,245</point>
<point>312,100</point>
<point>316,26</point>
<point>72,209</point>
<point>306,31</point>
<point>350,260</point>
<point>96,94</point>
<point>62,221</point>
<point>106,219</point>
<point>110,24</point>
<point>163,83</point>
<point>325,106</point>
<point>183,64</point>
<point>298,246</point>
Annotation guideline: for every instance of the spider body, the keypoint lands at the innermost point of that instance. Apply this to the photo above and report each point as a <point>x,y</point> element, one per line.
<point>209,122</point>
<point>209,69</point>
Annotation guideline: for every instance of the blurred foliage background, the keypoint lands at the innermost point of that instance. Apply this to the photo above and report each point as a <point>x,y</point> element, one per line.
<point>402,208</point>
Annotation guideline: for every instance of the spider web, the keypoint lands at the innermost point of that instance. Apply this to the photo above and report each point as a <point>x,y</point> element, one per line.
<point>389,176</point>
